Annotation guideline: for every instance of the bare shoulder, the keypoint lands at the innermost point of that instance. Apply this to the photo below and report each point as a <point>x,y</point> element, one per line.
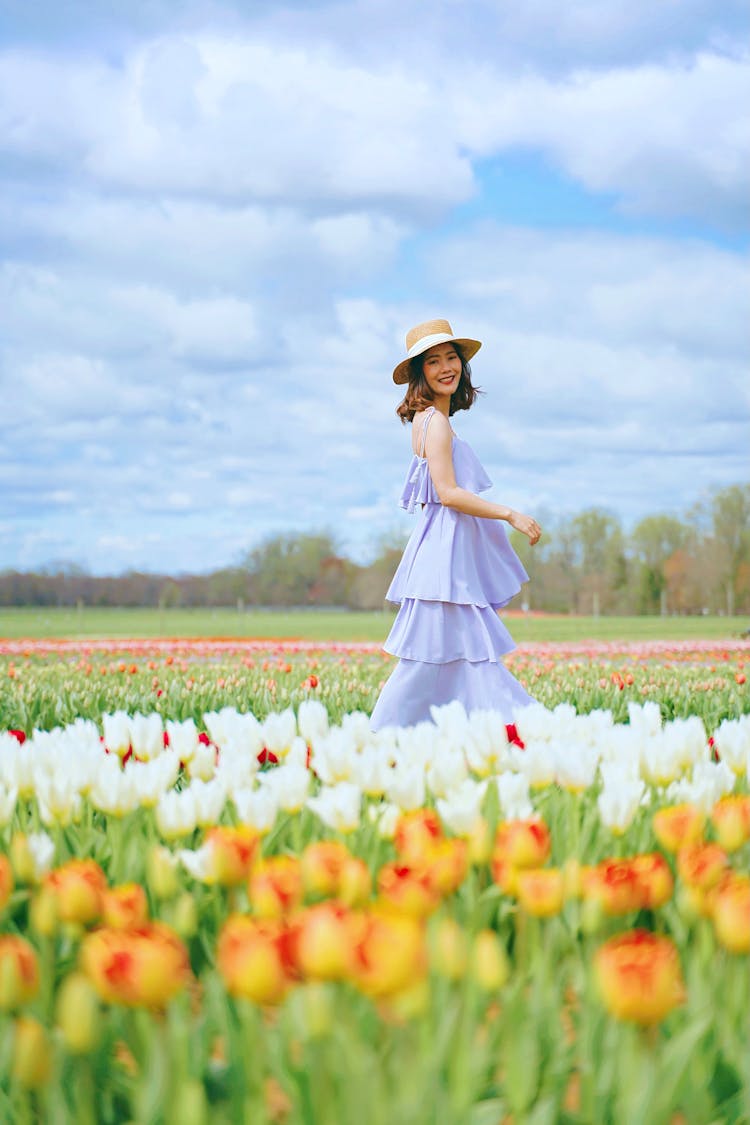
<point>439,436</point>
<point>438,427</point>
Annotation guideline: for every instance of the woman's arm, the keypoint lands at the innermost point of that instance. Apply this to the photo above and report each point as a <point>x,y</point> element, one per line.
<point>439,453</point>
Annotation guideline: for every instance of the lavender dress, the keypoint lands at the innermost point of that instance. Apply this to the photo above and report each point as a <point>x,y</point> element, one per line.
<point>455,572</point>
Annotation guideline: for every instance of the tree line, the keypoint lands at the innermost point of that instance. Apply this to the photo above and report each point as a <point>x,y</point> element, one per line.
<point>585,563</point>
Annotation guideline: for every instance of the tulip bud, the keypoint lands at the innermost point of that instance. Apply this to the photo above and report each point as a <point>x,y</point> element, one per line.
<point>77,1014</point>
<point>480,842</point>
<point>448,949</point>
<point>489,961</point>
<point>22,859</point>
<point>185,916</point>
<point>43,916</point>
<point>592,915</point>
<point>32,1053</point>
<point>161,872</point>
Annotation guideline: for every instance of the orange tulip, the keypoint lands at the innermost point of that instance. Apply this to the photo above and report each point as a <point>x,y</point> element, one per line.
<point>125,907</point>
<point>731,819</point>
<point>731,914</point>
<point>390,954</point>
<point>6,880</point>
<point>275,886</point>
<point>140,968</point>
<point>322,864</point>
<point>19,972</point>
<point>408,890</point>
<point>446,863</point>
<point>325,941</point>
<point>415,832</point>
<point>505,875</point>
<point>523,843</point>
<point>250,958</point>
<point>541,891</point>
<point>233,851</point>
<point>616,886</point>
<point>678,825</point>
<point>655,876</point>
<point>639,977</point>
<point>79,887</point>
<point>702,866</point>
<point>355,883</point>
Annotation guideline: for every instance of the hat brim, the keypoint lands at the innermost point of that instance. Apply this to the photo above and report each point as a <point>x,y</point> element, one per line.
<point>469,348</point>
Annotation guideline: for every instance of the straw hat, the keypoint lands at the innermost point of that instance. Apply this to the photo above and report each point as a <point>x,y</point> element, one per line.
<point>425,336</point>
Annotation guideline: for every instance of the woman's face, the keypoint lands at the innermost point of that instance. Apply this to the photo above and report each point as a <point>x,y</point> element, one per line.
<point>441,368</point>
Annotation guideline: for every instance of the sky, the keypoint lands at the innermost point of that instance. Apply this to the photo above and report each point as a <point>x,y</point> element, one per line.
<point>218,221</point>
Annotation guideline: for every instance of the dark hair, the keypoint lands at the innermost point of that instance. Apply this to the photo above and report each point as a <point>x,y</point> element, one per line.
<point>419,396</point>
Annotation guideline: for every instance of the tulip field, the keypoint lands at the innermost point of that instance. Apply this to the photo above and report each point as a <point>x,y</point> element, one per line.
<point>224,899</point>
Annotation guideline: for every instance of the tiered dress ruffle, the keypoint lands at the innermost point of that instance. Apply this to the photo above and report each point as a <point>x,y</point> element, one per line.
<point>456,571</point>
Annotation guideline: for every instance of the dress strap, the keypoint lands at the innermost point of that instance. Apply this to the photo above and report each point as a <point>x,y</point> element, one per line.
<point>430,412</point>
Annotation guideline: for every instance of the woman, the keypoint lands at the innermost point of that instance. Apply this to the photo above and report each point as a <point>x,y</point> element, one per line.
<point>458,567</point>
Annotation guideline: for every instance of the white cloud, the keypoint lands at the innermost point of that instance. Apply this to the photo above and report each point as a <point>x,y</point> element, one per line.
<point>242,119</point>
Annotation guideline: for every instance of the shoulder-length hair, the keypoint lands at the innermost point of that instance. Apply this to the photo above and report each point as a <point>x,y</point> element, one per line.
<point>419,396</point>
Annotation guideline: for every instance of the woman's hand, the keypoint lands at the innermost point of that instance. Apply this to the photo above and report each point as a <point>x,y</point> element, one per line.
<point>526,525</point>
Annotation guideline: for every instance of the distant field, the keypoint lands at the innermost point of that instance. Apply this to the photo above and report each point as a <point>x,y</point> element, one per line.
<point>331,626</point>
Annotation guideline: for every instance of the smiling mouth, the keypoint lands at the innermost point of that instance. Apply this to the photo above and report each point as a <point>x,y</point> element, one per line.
<point>448,379</point>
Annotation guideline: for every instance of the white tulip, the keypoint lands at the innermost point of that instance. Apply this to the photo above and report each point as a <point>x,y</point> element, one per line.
<point>338,806</point>
<point>406,786</point>
<point>575,765</point>
<point>620,800</point>
<point>198,863</point>
<point>229,727</point>
<point>732,741</point>
<point>312,720</point>
<point>59,802</point>
<point>452,721</point>
<point>279,731</point>
<point>183,738</point>
<point>297,755</point>
<point>333,757</point>
<point>151,779</point>
<point>146,735</point>
<point>513,792</point>
<point>461,810</point>
<point>386,816</point>
<point>256,808</point>
<point>175,814</point>
<point>447,771</point>
<point>114,791</point>
<point>117,732</point>
<point>288,784</point>
<point>710,782</point>
<point>202,765</point>
<point>370,771</point>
